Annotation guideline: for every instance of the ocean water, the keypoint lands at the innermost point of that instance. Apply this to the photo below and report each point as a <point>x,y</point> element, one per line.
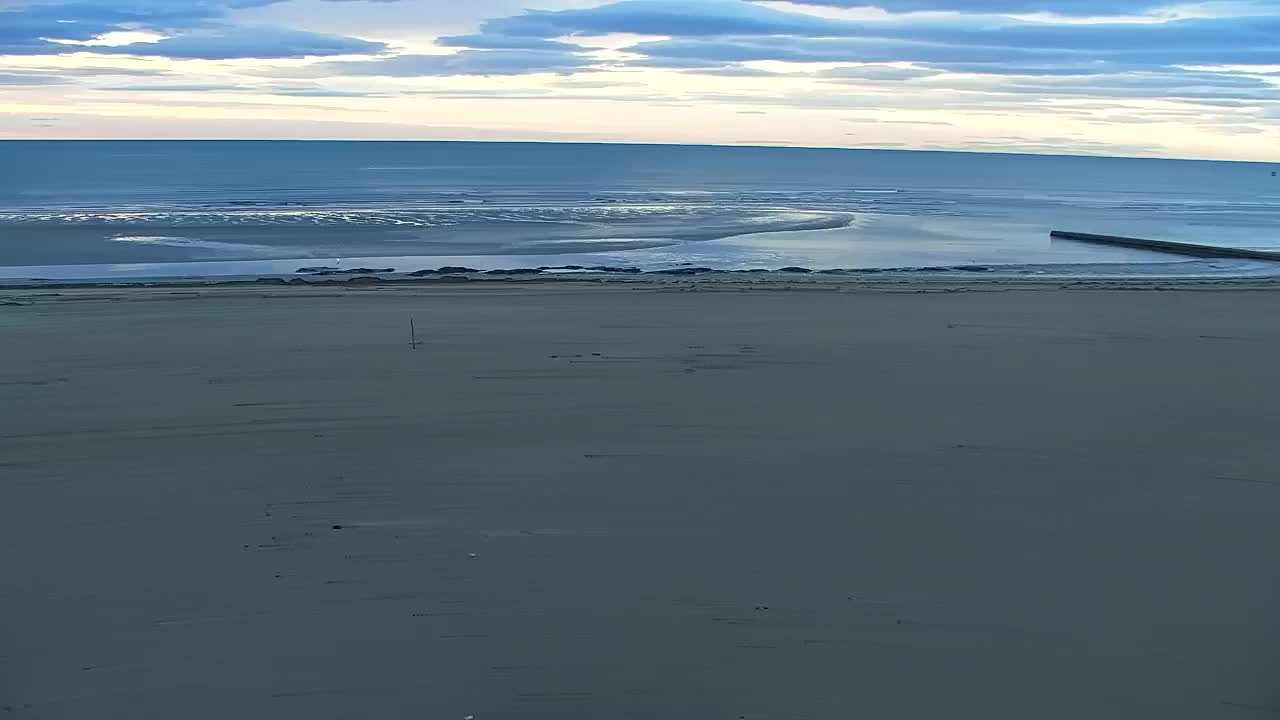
<point>167,208</point>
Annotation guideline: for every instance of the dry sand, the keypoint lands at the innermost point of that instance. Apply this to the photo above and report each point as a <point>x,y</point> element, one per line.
<point>639,501</point>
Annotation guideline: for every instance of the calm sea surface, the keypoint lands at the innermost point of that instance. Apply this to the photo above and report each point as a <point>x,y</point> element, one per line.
<point>111,208</point>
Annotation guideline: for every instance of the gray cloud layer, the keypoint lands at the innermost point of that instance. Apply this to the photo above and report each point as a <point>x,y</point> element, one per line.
<point>1105,58</point>
<point>727,30</point>
<point>979,51</point>
<point>1077,8</point>
<point>196,30</point>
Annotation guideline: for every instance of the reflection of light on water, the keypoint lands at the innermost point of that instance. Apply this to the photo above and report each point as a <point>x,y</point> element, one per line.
<point>196,243</point>
<point>686,217</point>
<point>857,241</point>
<point>151,239</point>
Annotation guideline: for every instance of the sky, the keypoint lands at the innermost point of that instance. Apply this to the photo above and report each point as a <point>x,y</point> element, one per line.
<point>1098,77</point>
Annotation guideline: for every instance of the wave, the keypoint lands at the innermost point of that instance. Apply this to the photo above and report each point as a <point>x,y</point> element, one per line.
<point>194,243</point>
<point>666,221</point>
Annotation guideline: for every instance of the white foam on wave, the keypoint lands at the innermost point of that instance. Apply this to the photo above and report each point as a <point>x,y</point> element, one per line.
<point>154,240</point>
<point>186,242</point>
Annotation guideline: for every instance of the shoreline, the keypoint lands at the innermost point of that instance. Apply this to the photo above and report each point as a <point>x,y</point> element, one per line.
<point>959,278</point>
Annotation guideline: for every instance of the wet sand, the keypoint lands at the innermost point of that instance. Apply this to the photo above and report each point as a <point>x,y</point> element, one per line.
<point>639,501</point>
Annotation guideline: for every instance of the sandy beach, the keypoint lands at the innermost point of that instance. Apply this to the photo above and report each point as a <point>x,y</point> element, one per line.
<point>639,500</point>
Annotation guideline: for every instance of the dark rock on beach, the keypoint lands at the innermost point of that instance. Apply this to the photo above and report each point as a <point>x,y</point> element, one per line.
<point>682,271</point>
<point>353,271</point>
<point>446,270</point>
<point>593,268</point>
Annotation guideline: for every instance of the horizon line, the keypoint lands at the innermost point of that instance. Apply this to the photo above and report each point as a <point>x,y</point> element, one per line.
<point>779,145</point>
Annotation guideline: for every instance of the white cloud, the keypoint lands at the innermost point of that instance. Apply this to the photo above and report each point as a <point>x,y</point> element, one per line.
<point>1056,74</point>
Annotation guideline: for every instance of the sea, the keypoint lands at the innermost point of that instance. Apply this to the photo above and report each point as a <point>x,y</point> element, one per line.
<point>167,209</point>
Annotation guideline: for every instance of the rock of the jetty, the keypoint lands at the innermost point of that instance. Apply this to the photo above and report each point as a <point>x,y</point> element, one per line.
<point>454,270</point>
<point>682,271</point>
<point>317,269</point>
<point>515,271</point>
<point>356,271</point>
<point>423,273</point>
<point>612,269</point>
<point>795,270</point>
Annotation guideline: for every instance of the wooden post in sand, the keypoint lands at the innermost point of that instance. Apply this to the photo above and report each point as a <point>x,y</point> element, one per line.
<point>413,335</point>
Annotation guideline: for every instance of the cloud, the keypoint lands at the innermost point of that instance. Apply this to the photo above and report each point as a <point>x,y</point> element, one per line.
<point>180,87</point>
<point>678,18</point>
<point>737,71</point>
<point>1169,84</point>
<point>676,63</point>
<point>733,18</point>
<point>35,28</point>
<point>246,43</point>
<point>36,76</point>
<point>1022,57</point>
<point>191,30</point>
<point>884,121</point>
<point>1152,52</point>
<point>550,94</point>
<point>96,72</point>
<point>1077,8</point>
<point>876,73</point>
<point>465,62</point>
<point>733,31</point>
<point>592,84</point>
<point>324,93</point>
<point>22,79</point>
<point>223,103</point>
<point>504,42</point>
<point>1237,129</point>
<point>1015,60</point>
<point>279,91</point>
<point>269,125</point>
